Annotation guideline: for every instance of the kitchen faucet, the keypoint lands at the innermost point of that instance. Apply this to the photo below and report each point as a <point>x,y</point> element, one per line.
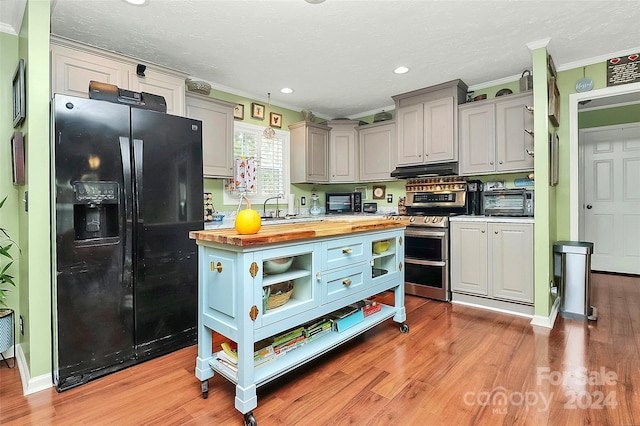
<point>264,206</point>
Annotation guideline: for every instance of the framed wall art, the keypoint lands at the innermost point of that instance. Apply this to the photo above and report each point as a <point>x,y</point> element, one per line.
<point>19,95</point>
<point>238,112</point>
<point>379,192</point>
<point>275,120</point>
<point>257,111</point>
<point>17,158</point>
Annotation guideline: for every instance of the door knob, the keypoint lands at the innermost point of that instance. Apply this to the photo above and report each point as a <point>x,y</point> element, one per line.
<point>589,206</point>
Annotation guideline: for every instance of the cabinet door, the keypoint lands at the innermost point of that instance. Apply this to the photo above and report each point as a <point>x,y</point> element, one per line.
<point>410,122</point>
<point>317,155</point>
<point>217,133</point>
<point>72,70</point>
<point>511,261</point>
<point>512,142</point>
<point>469,257</point>
<point>377,147</point>
<point>439,131</point>
<point>343,154</point>
<point>477,139</point>
<point>157,83</point>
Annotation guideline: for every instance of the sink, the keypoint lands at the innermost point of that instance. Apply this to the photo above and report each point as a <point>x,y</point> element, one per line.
<point>270,220</point>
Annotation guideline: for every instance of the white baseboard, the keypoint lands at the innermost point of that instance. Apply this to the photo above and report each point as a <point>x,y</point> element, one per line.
<point>31,385</point>
<point>547,322</point>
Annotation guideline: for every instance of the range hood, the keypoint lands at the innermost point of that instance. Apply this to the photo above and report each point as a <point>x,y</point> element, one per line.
<point>425,170</point>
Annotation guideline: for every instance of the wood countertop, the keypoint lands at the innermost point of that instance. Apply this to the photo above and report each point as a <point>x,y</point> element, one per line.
<point>271,234</point>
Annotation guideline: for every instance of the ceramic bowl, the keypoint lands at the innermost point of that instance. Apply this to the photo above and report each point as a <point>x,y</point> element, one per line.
<point>381,246</point>
<point>277,266</point>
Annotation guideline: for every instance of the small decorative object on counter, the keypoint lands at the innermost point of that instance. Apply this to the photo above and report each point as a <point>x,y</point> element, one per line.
<point>315,205</point>
<point>208,207</point>
<point>402,209</point>
<point>247,221</point>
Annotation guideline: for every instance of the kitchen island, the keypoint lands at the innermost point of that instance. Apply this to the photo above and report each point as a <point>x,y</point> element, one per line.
<point>334,264</point>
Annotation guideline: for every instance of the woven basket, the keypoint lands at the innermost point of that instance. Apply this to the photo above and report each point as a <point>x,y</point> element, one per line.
<point>285,289</point>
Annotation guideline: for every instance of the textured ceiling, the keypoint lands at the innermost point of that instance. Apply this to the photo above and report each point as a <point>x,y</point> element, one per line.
<point>339,55</point>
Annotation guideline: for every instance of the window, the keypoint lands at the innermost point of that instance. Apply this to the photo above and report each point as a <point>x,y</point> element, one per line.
<point>272,159</point>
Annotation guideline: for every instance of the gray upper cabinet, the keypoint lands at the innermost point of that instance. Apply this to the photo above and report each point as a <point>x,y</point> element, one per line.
<point>309,152</point>
<point>217,133</point>
<point>494,135</point>
<point>378,150</point>
<point>343,150</point>
<point>427,123</point>
<point>74,65</point>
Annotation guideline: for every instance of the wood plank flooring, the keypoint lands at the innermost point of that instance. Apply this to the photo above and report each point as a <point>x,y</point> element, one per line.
<point>456,366</point>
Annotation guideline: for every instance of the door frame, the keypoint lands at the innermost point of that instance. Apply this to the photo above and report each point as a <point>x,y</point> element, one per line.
<point>575,163</point>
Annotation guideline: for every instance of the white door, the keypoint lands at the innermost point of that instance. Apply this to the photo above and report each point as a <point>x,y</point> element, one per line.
<point>611,203</point>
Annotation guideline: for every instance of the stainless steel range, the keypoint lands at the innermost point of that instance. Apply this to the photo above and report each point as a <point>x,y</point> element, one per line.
<point>429,203</point>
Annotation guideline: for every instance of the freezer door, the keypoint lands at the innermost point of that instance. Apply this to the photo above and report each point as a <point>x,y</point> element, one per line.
<point>168,204</point>
<point>92,291</point>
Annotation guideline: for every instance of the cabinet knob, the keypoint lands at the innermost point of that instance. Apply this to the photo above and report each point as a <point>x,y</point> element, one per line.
<point>348,250</point>
<point>528,108</point>
<point>495,232</point>
<point>346,282</point>
<point>499,162</point>
<point>216,267</point>
<point>482,231</point>
<point>491,162</point>
<point>318,276</point>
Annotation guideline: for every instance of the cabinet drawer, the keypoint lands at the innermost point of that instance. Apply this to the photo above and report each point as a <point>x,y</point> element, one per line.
<point>343,252</point>
<point>344,282</point>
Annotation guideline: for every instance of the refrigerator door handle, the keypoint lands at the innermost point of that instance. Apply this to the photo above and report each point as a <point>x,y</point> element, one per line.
<point>138,208</point>
<point>125,155</point>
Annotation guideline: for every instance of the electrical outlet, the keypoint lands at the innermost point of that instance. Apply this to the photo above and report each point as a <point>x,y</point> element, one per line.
<point>21,325</point>
<point>303,201</point>
<point>389,198</point>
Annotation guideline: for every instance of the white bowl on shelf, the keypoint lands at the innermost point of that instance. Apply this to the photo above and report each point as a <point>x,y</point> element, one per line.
<point>277,266</point>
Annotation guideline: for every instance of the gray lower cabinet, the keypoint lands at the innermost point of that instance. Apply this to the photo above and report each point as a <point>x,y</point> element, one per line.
<point>492,263</point>
<point>377,151</point>
<point>494,135</point>
<point>217,133</point>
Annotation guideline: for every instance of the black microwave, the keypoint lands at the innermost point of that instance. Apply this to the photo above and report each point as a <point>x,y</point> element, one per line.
<point>343,202</point>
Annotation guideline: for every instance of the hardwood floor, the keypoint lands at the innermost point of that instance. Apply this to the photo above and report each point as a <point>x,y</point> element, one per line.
<point>456,366</point>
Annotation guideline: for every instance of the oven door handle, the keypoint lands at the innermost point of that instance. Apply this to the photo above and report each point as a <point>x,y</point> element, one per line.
<point>425,262</point>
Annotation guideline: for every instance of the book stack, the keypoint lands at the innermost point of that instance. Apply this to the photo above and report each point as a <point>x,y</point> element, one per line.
<point>226,360</point>
<point>370,307</point>
<point>289,341</point>
<point>347,317</point>
<point>316,329</point>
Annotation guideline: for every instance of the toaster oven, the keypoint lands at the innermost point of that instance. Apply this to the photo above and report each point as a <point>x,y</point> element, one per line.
<point>507,202</point>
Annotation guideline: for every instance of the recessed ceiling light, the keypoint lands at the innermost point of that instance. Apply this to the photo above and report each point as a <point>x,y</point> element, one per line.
<point>401,70</point>
<point>136,2</point>
<point>286,90</point>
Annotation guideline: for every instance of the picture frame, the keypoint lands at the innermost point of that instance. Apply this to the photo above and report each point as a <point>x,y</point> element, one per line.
<point>238,112</point>
<point>554,102</point>
<point>379,192</point>
<point>17,158</point>
<point>554,150</point>
<point>362,190</point>
<point>552,67</point>
<point>275,120</point>
<point>19,95</point>
<point>257,111</point>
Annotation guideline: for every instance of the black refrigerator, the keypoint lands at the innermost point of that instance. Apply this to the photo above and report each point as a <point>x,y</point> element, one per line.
<point>128,189</point>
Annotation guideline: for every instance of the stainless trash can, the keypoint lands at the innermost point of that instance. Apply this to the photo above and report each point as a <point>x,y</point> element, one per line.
<point>572,271</point>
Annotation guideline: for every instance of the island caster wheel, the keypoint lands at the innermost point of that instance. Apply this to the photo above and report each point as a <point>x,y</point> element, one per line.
<point>204,385</point>
<point>249,420</point>
<point>404,328</point>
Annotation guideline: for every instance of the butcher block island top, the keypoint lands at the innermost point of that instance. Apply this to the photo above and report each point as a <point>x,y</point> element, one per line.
<point>271,234</point>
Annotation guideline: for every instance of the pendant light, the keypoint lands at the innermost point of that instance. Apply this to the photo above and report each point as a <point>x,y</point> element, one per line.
<point>268,133</point>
